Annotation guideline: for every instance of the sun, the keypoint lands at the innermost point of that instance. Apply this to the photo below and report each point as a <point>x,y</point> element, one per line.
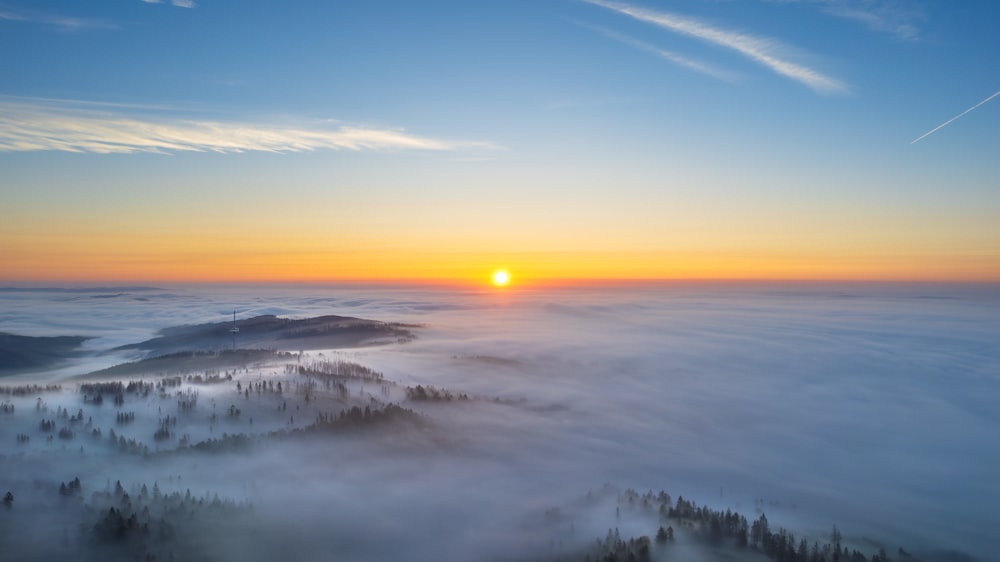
<point>501,278</point>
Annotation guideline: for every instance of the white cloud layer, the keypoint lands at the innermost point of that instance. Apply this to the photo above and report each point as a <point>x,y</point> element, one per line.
<point>867,405</point>
<point>761,50</point>
<point>64,127</point>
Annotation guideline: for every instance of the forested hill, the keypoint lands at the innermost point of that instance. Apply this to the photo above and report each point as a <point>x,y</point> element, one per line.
<point>273,332</point>
<point>19,353</point>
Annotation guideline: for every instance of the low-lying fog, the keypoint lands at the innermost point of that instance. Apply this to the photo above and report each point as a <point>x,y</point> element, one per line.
<point>872,407</point>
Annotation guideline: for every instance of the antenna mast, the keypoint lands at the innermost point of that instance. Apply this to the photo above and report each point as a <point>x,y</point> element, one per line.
<point>234,330</point>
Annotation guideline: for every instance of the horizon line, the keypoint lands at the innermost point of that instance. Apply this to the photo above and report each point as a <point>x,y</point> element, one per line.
<point>520,283</point>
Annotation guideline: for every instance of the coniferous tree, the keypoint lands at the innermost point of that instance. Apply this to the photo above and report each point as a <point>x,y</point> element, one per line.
<point>715,529</point>
<point>661,535</point>
<point>802,555</point>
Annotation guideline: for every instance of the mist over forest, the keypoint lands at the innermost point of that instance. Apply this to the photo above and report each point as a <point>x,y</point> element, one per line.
<point>559,424</point>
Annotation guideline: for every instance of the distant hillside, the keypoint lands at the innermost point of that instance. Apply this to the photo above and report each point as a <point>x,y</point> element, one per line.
<point>272,332</point>
<point>27,352</point>
<point>124,289</point>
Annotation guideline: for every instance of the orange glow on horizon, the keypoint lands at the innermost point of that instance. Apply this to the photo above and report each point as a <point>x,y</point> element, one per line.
<point>69,264</point>
<point>419,245</point>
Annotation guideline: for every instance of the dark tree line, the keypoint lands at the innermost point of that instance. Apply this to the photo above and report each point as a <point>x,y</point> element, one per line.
<point>616,549</point>
<point>98,388</point>
<point>209,378</point>
<point>349,419</point>
<point>72,489</point>
<point>29,389</point>
<point>730,528</point>
<point>341,369</point>
<point>94,392</point>
<point>430,393</point>
<point>359,417</point>
<point>148,526</point>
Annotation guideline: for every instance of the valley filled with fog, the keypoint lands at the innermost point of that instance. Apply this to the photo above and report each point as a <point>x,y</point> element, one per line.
<point>499,424</point>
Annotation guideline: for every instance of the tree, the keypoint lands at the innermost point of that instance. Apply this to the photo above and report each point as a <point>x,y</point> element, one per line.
<point>760,535</point>
<point>715,529</point>
<point>803,553</point>
<point>661,535</point>
<point>741,537</point>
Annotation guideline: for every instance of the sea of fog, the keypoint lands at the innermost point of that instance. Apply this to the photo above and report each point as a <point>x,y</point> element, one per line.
<point>869,406</point>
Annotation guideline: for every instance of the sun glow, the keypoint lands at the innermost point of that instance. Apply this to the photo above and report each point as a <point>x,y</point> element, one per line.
<point>501,278</point>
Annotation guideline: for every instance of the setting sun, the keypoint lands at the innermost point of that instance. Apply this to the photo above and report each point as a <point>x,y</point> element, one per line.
<point>501,278</point>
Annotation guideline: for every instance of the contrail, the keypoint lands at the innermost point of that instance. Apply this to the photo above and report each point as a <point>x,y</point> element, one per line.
<point>672,57</point>
<point>948,122</point>
<point>761,50</point>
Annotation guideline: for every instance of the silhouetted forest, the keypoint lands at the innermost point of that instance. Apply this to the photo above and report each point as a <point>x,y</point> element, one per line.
<point>18,353</point>
<point>719,529</point>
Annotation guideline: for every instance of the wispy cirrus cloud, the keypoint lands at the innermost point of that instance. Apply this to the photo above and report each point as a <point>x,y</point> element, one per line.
<point>65,23</point>
<point>877,22</point>
<point>762,50</point>
<point>883,16</point>
<point>178,3</point>
<point>69,127</point>
<point>680,60</point>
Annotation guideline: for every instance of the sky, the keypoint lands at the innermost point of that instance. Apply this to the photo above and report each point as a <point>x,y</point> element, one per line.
<point>438,141</point>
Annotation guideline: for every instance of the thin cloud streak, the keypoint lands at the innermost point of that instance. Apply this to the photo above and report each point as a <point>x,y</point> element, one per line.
<point>7,100</point>
<point>178,3</point>
<point>62,22</point>
<point>875,22</point>
<point>892,18</point>
<point>757,49</point>
<point>27,127</point>
<point>953,119</point>
<point>675,58</point>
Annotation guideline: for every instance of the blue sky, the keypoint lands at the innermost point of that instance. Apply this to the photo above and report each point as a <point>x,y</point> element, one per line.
<point>769,126</point>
